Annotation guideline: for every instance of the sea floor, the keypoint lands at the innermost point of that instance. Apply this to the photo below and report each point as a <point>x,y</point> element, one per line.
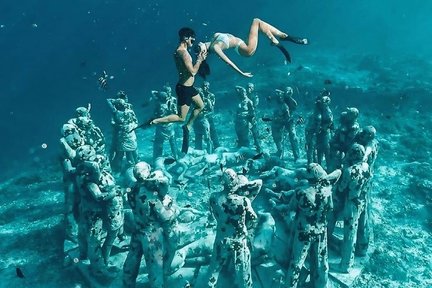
<point>31,236</point>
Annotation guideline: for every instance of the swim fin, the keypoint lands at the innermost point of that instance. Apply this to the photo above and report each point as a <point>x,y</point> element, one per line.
<point>297,40</point>
<point>144,125</point>
<point>284,51</point>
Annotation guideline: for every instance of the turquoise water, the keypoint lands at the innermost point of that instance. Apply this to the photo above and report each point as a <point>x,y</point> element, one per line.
<point>375,54</point>
<point>51,53</point>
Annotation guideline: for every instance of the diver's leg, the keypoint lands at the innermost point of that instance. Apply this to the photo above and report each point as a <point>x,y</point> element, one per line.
<point>199,105</point>
<point>252,43</point>
<point>171,118</point>
<point>267,29</point>
<point>271,32</point>
<point>181,117</point>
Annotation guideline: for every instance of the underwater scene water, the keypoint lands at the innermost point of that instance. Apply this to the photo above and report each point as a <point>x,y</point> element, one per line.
<point>307,166</point>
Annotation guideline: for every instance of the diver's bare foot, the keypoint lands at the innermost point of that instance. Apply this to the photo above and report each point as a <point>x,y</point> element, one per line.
<point>272,39</point>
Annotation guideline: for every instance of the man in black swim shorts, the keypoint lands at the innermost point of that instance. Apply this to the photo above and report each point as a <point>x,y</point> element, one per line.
<point>186,93</point>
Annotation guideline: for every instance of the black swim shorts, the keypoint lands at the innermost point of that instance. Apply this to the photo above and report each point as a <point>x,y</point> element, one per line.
<point>185,94</point>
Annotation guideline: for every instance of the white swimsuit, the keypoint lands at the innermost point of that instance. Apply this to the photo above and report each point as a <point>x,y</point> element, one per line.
<point>225,39</point>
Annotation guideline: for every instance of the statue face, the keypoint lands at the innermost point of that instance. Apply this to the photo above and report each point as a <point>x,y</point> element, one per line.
<point>250,88</point>
<point>230,178</point>
<point>206,86</point>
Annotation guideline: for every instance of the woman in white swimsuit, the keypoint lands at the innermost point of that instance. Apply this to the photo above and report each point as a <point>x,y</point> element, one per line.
<point>223,41</point>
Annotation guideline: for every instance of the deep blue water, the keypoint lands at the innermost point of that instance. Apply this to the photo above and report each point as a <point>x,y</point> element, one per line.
<point>51,51</point>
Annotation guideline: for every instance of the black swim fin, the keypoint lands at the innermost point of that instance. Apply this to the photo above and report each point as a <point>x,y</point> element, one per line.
<point>297,40</point>
<point>284,51</point>
<point>144,125</point>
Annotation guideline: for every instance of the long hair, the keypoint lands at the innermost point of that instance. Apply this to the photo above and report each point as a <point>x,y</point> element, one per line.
<point>204,70</point>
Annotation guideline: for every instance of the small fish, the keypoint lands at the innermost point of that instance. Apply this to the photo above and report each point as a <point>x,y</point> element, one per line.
<point>300,120</point>
<point>300,67</point>
<point>388,116</point>
<point>327,82</point>
<point>258,156</point>
<point>244,170</point>
<point>188,206</point>
<point>169,160</point>
<point>103,81</point>
<point>221,167</point>
<point>266,119</point>
<point>268,130</point>
<point>19,273</point>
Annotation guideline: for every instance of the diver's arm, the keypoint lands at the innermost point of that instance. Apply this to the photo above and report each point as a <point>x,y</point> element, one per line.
<point>187,60</point>
<point>225,58</point>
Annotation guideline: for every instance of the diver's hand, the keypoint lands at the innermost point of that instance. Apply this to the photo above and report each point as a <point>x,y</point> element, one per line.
<point>247,74</point>
<point>202,56</point>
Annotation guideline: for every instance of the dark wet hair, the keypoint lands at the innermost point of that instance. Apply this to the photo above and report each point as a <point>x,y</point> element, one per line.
<point>204,70</point>
<point>196,49</point>
<point>186,32</point>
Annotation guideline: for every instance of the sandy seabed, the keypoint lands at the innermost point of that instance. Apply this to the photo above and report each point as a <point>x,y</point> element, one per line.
<point>31,207</point>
